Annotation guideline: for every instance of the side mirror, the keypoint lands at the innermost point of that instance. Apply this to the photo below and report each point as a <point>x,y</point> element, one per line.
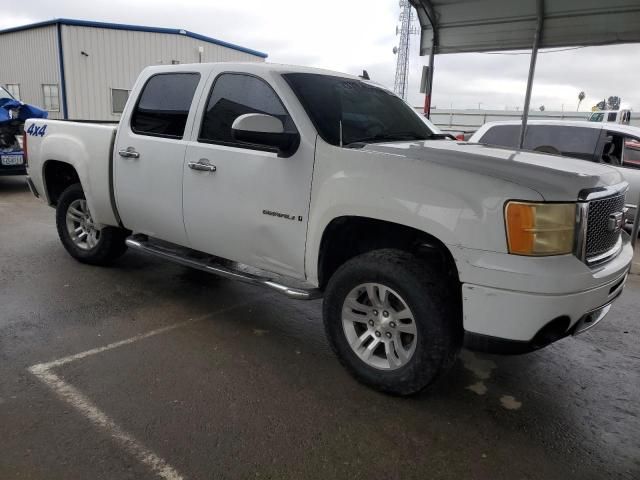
<point>266,130</point>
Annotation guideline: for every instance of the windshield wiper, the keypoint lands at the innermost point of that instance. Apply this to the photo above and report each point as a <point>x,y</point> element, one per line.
<point>382,138</point>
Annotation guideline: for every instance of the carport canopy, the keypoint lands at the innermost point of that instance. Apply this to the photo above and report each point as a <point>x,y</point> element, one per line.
<point>457,26</point>
<point>494,25</point>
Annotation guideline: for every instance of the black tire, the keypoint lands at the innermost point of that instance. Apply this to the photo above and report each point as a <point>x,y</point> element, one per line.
<point>110,245</point>
<point>432,299</point>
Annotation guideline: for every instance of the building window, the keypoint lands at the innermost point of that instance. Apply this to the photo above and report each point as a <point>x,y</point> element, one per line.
<point>14,90</point>
<point>51,98</point>
<point>119,98</point>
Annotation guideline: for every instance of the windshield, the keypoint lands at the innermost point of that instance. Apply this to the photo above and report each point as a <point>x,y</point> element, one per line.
<point>596,117</point>
<point>4,94</point>
<point>363,112</point>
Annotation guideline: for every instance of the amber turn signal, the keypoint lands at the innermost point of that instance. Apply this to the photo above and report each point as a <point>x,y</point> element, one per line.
<point>540,228</point>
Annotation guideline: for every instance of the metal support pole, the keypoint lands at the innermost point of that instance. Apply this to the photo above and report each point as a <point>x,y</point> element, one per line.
<point>427,97</point>
<point>427,8</point>
<point>532,69</point>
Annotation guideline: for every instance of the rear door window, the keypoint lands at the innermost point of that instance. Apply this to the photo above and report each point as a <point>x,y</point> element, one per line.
<point>575,142</point>
<point>503,135</point>
<point>164,104</point>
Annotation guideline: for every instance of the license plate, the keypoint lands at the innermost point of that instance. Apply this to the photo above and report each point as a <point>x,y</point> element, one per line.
<point>9,160</point>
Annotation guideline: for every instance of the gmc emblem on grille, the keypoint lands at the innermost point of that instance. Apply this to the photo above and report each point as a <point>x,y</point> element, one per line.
<point>615,222</point>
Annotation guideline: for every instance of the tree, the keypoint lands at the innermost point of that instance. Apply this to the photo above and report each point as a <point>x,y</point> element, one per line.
<point>581,96</point>
<point>542,108</point>
<point>613,103</point>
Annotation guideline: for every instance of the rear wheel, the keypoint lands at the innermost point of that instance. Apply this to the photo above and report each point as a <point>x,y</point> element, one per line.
<point>392,321</point>
<point>80,235</point>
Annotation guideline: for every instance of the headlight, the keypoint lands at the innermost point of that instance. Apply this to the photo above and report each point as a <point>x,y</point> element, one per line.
<point>540,228</point>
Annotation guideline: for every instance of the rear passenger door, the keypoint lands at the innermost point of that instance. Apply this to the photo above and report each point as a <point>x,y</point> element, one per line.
<point>149,153</point>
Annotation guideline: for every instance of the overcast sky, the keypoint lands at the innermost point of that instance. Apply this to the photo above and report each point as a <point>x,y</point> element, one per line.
<point>349,35</point>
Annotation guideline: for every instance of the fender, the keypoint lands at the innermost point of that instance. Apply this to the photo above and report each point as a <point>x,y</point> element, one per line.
<point>90,154</point>
<point>429,197</point>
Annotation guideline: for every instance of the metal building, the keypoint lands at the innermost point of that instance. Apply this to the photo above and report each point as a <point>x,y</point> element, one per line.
<point>84,70</point>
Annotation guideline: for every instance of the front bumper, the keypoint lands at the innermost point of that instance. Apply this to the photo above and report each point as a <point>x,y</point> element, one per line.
<point>560,296</point>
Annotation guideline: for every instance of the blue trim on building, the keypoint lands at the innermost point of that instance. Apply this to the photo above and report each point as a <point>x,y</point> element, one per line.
<point>135,28</point>
<point>63,83</point>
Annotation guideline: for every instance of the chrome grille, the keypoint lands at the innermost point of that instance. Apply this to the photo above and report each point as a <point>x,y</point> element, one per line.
<point>600,239</point>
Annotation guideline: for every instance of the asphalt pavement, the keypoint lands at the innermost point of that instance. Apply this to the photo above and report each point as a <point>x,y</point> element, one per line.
<point>149,370</point>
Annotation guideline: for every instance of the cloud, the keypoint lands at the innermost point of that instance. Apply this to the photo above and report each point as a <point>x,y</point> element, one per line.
<point>351,35</point>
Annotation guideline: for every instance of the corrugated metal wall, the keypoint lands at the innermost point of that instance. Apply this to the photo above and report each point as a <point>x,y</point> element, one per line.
<point>115,58</point>
<point>30,59</point>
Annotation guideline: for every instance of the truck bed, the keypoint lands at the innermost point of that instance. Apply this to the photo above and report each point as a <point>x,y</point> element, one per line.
<point>88,147</point>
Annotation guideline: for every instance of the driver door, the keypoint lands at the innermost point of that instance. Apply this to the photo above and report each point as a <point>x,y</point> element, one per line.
<point>250,204</point>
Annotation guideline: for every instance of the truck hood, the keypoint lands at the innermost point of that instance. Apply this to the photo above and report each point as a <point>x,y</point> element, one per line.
<point>554,177</point>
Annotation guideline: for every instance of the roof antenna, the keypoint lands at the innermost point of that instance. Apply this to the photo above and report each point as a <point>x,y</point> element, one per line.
<point>365,75</point>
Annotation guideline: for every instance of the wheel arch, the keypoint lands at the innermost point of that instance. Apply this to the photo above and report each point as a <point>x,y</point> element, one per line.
<point>57,176</point>
<point>347,236</point>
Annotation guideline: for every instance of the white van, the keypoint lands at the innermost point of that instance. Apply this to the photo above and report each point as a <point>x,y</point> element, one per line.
<point>611,116</point>
<point>613,144</point>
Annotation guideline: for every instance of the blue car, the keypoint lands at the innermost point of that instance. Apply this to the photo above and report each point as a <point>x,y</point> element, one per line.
<point>13,114</point>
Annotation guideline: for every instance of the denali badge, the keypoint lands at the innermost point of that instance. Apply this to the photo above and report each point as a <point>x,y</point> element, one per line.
<point>615,222</point>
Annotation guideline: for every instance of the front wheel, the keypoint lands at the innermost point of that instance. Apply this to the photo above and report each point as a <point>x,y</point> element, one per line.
<point>392,321</point>
<point>80,235</point>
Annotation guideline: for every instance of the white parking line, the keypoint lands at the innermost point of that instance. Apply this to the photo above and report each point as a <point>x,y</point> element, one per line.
<point>141,336</point>
<point>100,419</point>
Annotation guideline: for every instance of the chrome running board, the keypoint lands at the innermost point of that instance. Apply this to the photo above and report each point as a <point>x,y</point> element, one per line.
<point>211,264</point>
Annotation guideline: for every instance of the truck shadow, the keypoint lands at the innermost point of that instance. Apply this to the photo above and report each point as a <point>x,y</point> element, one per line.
<point>13,185</point>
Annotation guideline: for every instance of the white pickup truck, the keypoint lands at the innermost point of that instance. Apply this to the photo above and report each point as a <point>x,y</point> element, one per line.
<point>315,183</point>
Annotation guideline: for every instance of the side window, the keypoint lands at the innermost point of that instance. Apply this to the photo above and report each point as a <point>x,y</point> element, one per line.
<point>613,149</point>
<point>119,97</point>
<point>631,155</point>
<point>577,142</point>
<point>163,106</point>
<point>14,90</point>
<point>611,117</point>
<point>51,97</point>
<point>235,94</point>
<point>502,135</point>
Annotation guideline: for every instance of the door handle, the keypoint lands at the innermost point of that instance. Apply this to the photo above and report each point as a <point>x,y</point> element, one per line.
<point>202,165</point>
<point>129,152</point>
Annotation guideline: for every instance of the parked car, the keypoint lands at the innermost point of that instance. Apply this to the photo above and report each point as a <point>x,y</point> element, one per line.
<point>13,113</point>
<point>609,143</point>
<point>327,185</point>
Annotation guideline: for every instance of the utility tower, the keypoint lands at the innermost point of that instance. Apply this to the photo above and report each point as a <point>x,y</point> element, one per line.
<point>406,29</point>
